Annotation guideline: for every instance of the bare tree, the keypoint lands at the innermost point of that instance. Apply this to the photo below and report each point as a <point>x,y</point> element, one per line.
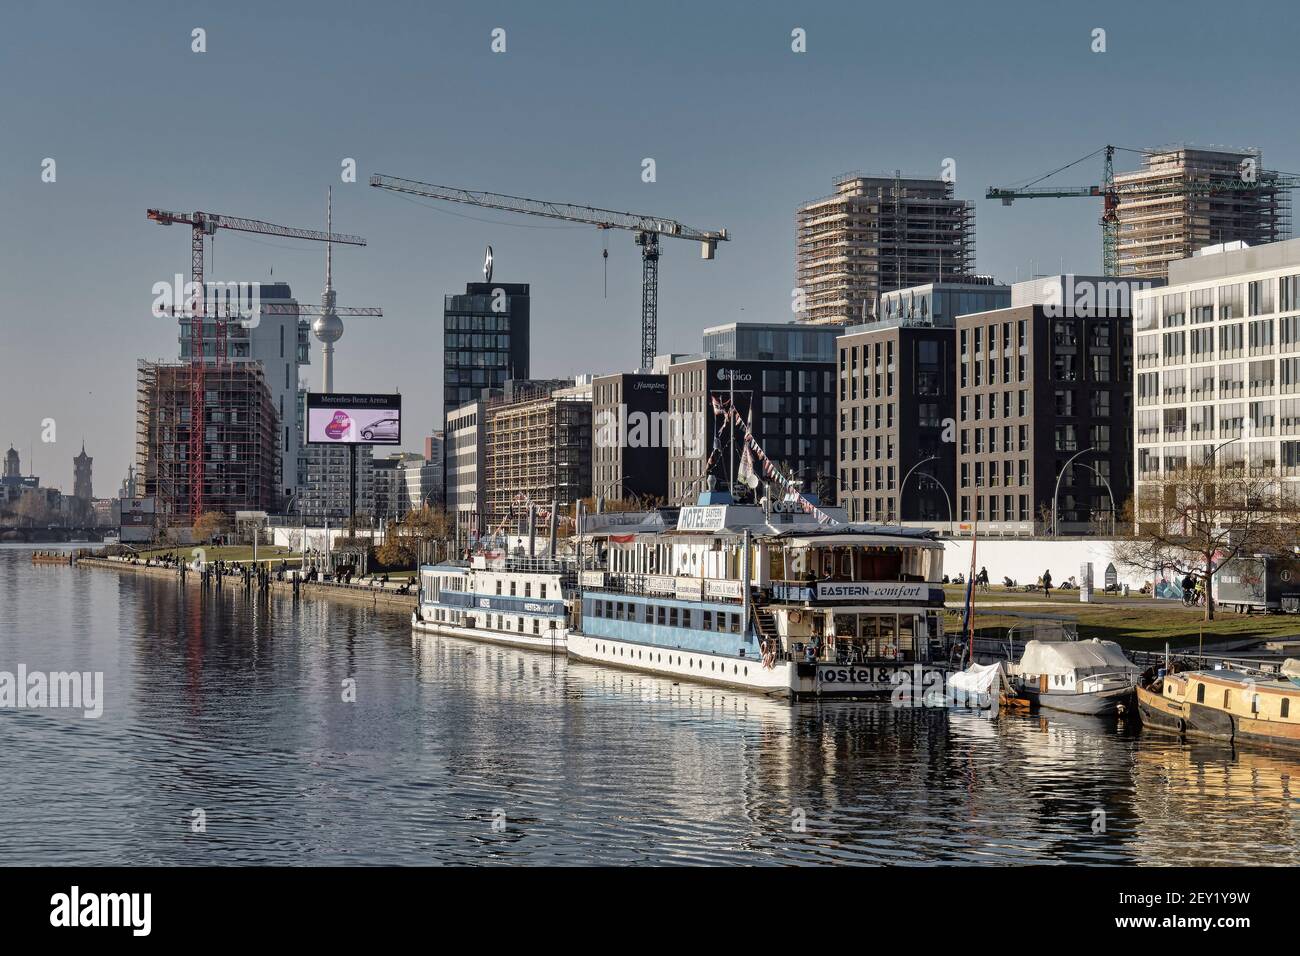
<point>1198,518</point>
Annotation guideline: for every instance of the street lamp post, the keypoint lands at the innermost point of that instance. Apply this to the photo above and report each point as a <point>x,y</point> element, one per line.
<point>903,484</point>
<point>1109,493</point>
<point>1056,523</point>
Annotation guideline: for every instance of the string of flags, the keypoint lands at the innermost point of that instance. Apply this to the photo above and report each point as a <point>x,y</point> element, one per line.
<point>726,410</point>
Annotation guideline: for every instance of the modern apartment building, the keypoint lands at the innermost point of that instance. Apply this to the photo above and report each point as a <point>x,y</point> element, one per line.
<point>464,466</point>
<point>537,450</point>
<point>790,401</point>
<point>421,484</point>
<point>877,233</point>
<point>897,398</point>
<point>1185,199</point>
<point>631,436</point>
<point>1218,364</point>
<point>1044,392</point>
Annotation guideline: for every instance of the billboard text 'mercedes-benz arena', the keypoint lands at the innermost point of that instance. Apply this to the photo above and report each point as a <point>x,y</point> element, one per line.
<point>354,419</point>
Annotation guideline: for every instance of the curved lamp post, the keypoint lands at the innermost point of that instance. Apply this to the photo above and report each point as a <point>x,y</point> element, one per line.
<point>1056,523</point>
<point>1109,493</point>
<point>903,484</point>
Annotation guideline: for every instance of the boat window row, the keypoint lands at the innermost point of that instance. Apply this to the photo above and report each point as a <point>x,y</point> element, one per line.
<point>527,589</point>
<point>856,563</point>
<point>654,657</point>
<point>1284,706</point>
<point>670,616</point>
<point>492,622</point>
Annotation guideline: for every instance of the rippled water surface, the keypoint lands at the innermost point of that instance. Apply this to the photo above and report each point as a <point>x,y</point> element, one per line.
<point>234,706</point>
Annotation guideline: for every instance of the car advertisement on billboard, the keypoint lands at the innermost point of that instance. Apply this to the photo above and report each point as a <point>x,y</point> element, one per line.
<point>350,419</point>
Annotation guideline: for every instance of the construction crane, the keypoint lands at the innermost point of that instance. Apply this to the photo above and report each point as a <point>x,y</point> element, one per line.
<point>647,231</point>
<point>1112,194</point>
<point>206,224</point>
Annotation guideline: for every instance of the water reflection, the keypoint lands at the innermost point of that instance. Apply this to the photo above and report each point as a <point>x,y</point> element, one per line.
<point>455,752</point>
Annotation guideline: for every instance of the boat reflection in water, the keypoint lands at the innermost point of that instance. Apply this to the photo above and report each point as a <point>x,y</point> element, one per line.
<point>639,767</point>
<point>1209,804</point>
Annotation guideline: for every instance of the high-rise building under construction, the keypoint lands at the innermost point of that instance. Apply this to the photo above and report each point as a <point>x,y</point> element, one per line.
<point>875,234</point>
<point>1182,200</point>
<point>241,468</point>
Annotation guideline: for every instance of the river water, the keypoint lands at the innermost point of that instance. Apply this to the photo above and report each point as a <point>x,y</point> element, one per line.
<point>226,738</point>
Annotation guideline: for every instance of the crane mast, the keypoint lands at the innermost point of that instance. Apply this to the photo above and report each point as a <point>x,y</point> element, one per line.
<point>647,230</point>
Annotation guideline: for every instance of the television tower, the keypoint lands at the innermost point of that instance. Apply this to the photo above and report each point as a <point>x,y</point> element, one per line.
<point>328,327</point>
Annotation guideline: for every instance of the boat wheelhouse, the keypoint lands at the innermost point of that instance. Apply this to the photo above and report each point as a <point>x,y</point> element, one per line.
<point>519,601</point>
<point>766,597</point>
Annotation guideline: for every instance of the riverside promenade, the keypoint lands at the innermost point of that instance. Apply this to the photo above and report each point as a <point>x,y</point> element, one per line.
<point>373,594</point>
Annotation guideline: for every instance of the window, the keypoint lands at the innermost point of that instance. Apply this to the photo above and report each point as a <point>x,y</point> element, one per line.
<point>1260,297</point>
<point>1200,693</point>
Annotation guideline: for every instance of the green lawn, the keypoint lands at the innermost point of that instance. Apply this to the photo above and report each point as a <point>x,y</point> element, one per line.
<point>1134,622</point>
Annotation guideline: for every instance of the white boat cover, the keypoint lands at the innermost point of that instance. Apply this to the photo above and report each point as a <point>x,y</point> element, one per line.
<point>1074,657</point>
<point>979,679</point>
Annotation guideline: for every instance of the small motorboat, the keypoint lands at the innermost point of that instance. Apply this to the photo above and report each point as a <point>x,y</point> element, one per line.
<point>1078,677</point>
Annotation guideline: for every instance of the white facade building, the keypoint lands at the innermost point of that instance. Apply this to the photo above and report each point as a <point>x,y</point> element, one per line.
<point>1218,363</point>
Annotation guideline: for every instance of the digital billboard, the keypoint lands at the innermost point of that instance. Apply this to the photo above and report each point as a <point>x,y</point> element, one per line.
<point>353,419</point>
<point>138,518</point>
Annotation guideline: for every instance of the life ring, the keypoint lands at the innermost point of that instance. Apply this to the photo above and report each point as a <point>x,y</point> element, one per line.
<point>795,617</point>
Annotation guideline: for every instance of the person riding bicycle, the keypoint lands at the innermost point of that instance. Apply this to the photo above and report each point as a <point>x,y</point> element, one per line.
<point>1191,589</point>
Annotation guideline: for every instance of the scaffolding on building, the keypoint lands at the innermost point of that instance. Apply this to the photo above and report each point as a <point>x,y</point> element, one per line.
<point>1184,199</point>
<point>538,451</point>
<point>241,467</point>
<point>878,233</point>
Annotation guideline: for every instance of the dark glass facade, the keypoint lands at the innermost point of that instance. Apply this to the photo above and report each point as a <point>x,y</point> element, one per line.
<point>485,340</point>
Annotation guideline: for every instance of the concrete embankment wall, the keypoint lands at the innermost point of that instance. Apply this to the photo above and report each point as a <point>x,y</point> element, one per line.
<point>1024,561</point>
<point>357,594</point>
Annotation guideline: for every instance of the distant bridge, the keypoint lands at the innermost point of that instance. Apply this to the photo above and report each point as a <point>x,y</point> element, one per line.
<point>38,535</point>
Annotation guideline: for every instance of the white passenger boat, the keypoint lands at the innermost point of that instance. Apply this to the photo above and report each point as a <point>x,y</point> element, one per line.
<point>763,597</point>
<point>519,601</point>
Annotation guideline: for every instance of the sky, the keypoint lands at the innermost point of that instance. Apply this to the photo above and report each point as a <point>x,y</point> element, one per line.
<point>741,129</point>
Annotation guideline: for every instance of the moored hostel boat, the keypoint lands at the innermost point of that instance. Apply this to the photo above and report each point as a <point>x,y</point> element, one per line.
<point>764,597</point>
<point>1221,704</point>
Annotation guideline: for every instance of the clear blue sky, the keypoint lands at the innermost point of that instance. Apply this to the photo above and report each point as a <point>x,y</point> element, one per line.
<point>742,130</point>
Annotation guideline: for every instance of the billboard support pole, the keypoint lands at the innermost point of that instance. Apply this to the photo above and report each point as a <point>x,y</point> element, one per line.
<point>352,491</point>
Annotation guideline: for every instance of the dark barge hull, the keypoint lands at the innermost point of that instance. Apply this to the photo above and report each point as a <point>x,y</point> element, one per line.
<point>1197,720</point>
